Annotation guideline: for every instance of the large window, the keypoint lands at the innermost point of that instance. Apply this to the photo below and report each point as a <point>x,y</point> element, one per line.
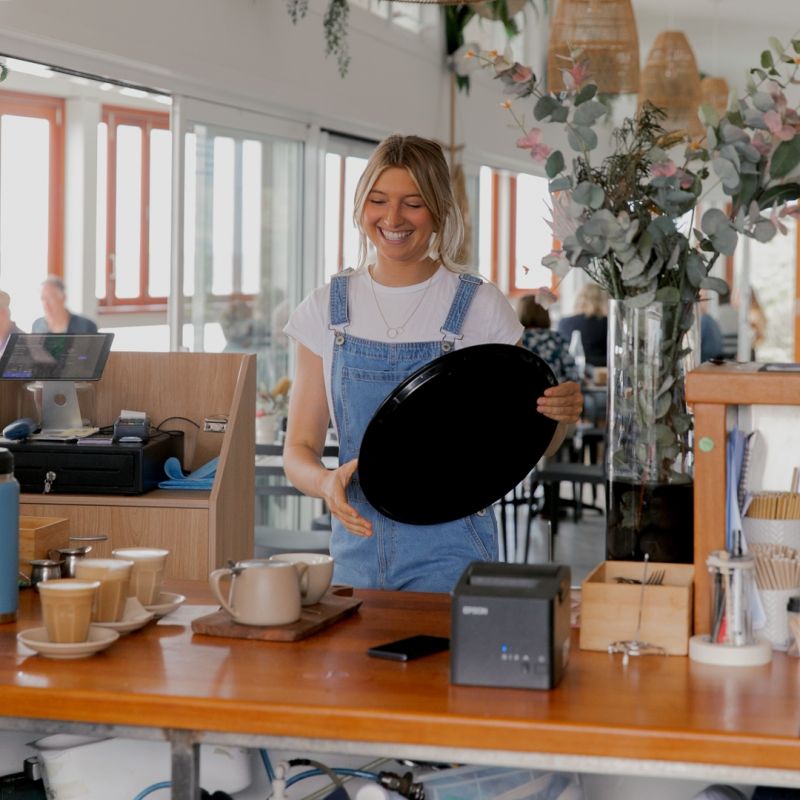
<point>31,196</point>
<point>514,233</point>
<point>345,161</point>
<point>133,209</point>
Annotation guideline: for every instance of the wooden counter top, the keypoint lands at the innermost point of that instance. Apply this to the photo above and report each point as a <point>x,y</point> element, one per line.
<point>326,687</point>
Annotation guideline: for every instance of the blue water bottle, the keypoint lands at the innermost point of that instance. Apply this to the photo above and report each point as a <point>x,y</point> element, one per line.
<point>9,538</point>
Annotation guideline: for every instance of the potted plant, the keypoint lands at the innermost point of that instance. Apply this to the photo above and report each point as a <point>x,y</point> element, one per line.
<point>628,222</point>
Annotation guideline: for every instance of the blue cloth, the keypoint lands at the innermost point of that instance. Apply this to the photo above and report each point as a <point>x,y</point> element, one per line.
<point>423,558</point>
<point>76,324</point>
<point>201,479</point>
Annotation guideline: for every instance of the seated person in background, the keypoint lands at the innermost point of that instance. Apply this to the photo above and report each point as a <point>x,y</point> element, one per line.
<point>591,319</point>
<point>7,326</point>
<point>57,317</point>
<point>549,345</point>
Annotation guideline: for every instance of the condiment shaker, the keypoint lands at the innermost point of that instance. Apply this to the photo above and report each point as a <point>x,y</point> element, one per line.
<point>9,538</point>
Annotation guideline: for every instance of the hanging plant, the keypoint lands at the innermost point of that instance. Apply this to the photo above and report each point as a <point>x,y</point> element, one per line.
<point>334,24</point>
<point>457,17</point>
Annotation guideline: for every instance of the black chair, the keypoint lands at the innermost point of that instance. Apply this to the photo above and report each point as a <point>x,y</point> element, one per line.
<point>550,475</point>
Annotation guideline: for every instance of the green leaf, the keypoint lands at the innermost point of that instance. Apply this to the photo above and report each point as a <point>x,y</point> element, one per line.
<point>708,115</point>
<point>559,114</point>
<point>766,59</point>
<point>715,285</point>
<point>663,405</point>
<point>727,172</point>
<point>785,158</point>
<point>669,295</point>
<point>545,106</point>
<point>554,164</point>
<point>585,94</point>
<point>560,184</point>
<point>581,137</point>
<point>695,269</point>
<point>776,45</point>
<point>796,45</point>
<point>777,195</point>
<point>763,101</point>
<point>589,113</point>
<point>764,231</point>
<point>664,434</point>
<point>641,300</point>
<point>3,72</point>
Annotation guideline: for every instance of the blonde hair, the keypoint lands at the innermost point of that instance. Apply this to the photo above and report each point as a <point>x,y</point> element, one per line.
<point>424,161</point>
<point>592,301</point>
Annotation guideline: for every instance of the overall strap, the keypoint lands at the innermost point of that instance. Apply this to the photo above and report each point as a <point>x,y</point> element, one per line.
<point>340,315</point>
<point>467,286</point>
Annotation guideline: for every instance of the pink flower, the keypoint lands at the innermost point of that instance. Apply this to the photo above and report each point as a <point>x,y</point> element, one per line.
<point>685,179</point>
<point>791,211</point>
<point>773,218</point>
<point>574,77</point>
<point>663,169</point>
<point>521,73</point>
<point>761,143</point>
<point>774,122</point>
<point>539,152</point>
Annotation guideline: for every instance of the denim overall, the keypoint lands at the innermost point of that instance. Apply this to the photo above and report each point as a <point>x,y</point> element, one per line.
<point>424,558</point>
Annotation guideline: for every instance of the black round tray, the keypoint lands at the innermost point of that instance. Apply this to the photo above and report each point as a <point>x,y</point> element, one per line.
<point>456,435</point>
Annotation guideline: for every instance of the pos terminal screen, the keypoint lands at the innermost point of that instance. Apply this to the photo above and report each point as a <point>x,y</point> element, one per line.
<point>55,356</point>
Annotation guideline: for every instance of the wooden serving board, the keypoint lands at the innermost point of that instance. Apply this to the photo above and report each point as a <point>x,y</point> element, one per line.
<point>329,610</point>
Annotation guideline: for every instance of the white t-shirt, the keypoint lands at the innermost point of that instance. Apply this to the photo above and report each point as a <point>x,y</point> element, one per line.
<point>490,318</point>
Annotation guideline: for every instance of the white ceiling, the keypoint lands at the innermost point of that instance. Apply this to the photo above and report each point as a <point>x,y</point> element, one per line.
<point>782,15</point>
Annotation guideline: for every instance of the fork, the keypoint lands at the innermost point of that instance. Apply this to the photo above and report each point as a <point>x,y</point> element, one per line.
<point>656,578</point>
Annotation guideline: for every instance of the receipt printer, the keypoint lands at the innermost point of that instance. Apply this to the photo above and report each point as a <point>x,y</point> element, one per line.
<point>511,625</point>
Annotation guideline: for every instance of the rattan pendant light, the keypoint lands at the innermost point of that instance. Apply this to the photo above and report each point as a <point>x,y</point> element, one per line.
<point>714,92</point>
<point>671,81</point>
<point>606,32</point>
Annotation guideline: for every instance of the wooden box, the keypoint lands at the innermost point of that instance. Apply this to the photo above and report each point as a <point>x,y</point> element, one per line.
<point>610,610</point>
<point>37,535</point>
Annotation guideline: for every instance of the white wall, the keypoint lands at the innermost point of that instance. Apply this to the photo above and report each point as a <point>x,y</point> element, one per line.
<point>248,53</point>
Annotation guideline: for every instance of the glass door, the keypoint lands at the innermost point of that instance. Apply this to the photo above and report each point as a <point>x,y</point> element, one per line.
<point>238,244</point>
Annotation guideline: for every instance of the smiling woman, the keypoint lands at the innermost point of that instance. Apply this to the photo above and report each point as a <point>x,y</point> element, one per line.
<point>366,332</point>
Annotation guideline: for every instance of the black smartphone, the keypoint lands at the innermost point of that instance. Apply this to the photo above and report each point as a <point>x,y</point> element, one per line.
<point>412,647</point>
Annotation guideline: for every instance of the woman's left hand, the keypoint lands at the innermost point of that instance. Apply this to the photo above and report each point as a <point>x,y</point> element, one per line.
<point>562,403</point>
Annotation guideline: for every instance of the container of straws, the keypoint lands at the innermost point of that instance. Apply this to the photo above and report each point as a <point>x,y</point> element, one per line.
<point>778,581</point>
<point>773,518</point>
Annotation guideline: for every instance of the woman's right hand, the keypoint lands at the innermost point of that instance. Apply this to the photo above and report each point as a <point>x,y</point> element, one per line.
<point>334,492</point>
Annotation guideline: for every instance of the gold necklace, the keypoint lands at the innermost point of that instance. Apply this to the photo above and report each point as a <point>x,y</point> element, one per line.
<point>393,331</point>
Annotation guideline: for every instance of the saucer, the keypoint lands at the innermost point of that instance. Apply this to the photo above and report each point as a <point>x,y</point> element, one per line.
<point>166,602</point>
<point>37,640</point>
<point>134,617</point>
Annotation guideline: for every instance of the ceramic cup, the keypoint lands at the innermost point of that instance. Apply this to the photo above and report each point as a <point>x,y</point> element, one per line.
<point>114,575</point>
<point>776,627</point>
<point>147,573</point>
<point>262,592</point>
<point>320,573</point>
<point>67,608</point>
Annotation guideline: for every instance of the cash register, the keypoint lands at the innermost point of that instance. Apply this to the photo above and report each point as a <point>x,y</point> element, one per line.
<point>68,455</point>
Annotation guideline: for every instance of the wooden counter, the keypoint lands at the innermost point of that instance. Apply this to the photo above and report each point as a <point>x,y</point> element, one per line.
<point>325,689</point>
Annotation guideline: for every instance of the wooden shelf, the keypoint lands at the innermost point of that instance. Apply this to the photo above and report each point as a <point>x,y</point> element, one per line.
<point>710,390</point>
<point>203,530</point>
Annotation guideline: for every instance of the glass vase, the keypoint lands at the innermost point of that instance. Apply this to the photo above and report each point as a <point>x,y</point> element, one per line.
<point>649,492</point>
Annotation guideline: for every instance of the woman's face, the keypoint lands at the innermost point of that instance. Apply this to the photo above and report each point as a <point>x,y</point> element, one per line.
<point>395,218</point>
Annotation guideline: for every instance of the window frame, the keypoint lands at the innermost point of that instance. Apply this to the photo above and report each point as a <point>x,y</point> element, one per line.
<point>145,119</point>
<point>22,104</point>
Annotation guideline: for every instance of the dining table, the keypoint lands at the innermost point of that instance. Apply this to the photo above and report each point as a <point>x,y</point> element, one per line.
<point>654,715</point>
